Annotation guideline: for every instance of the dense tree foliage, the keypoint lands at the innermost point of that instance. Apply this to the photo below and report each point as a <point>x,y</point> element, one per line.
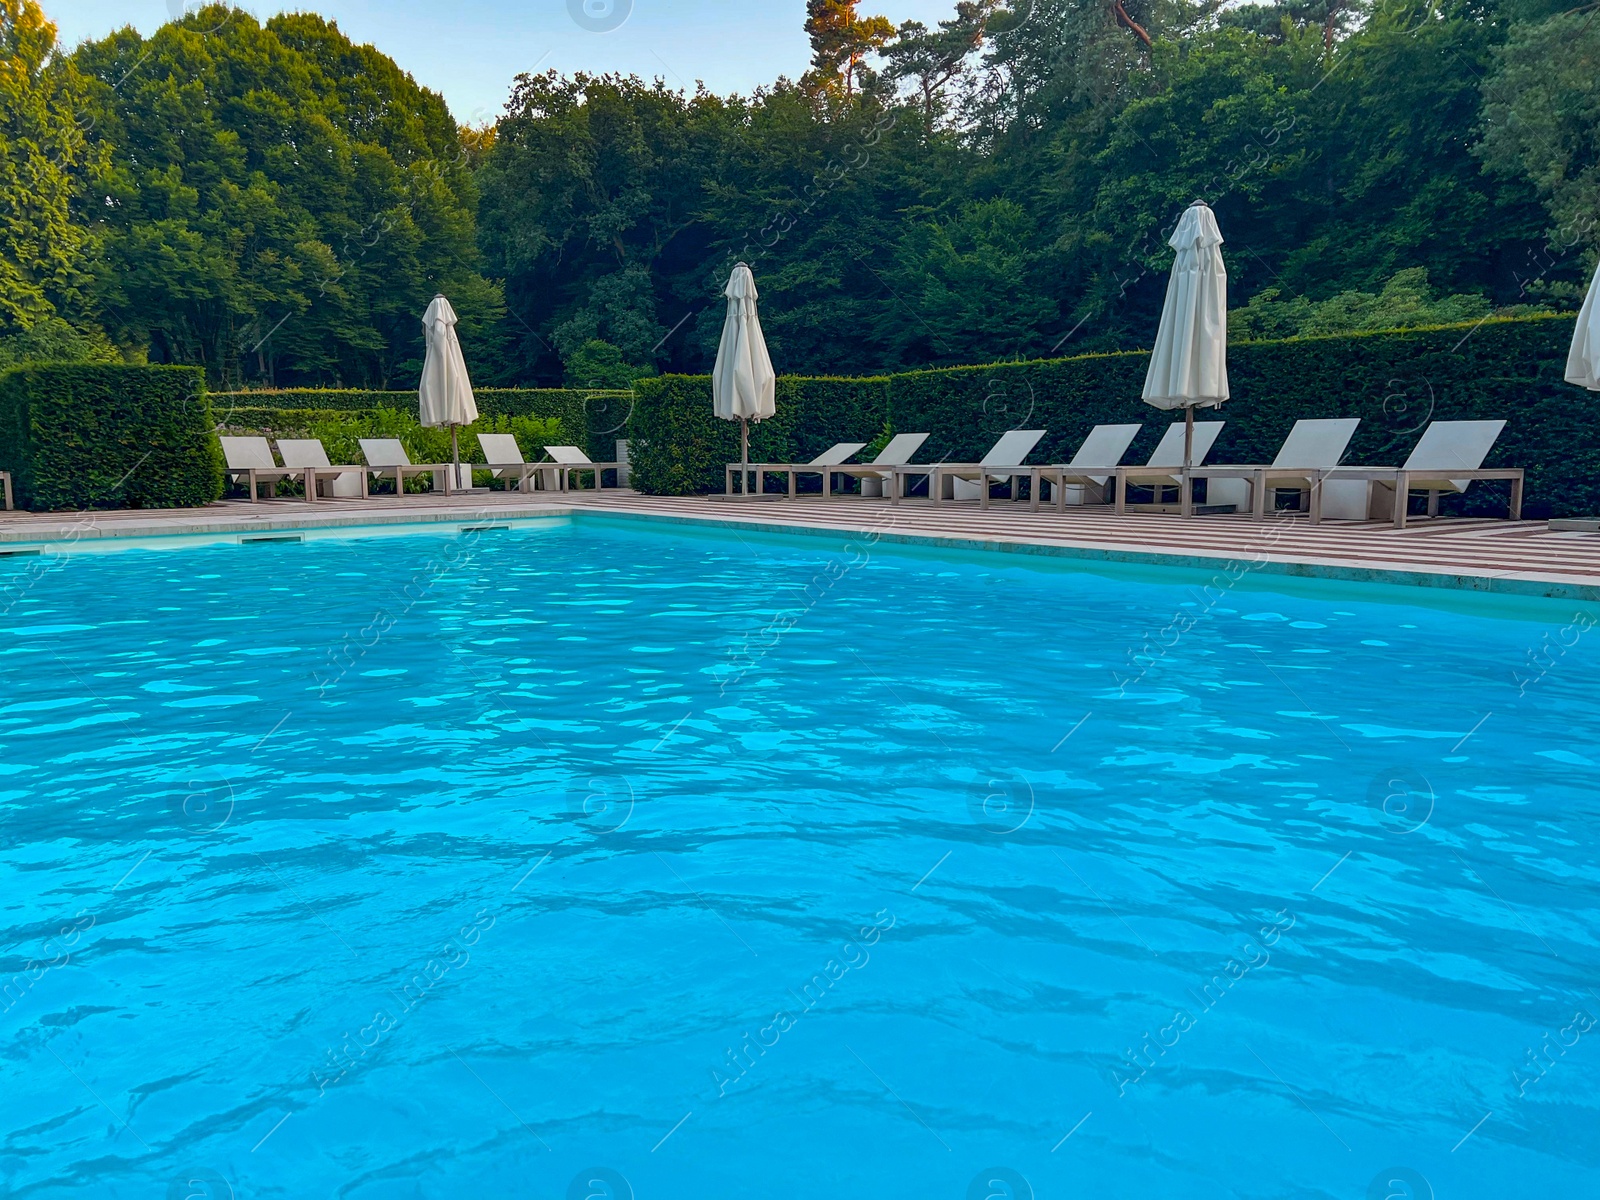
<point>41,144</point>
<point>277,204</point>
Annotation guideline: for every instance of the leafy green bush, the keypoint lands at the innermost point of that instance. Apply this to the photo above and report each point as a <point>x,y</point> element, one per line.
<point>98,436</point>
<point>53,340</point>
<point>598,364</point>
<point>1395,381</point>
<point>1406,301</point>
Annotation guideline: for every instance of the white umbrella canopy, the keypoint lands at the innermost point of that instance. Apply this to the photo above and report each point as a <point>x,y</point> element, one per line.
<point>743,384</point>
<point>445,395</point>
<point>1189,363</point>
<point>1583,360</point>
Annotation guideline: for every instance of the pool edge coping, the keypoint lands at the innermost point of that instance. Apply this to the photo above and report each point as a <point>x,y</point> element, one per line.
<point>1529,584</point>
<point>1505,583</point>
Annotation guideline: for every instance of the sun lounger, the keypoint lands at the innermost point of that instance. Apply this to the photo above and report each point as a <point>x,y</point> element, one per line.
<point>972,481</point>
<point>1312,446</point>
<point>1446,459</point>
<point>307,455</point>
<point>250,460</point>
<point>1081,481</point>
<point>835,461</point>
<point>898,453</point>
<point>1165,464</point>
<point>387,459</point>
<point>505,461</point>
<point>831,457</point>
<point>569,459</point>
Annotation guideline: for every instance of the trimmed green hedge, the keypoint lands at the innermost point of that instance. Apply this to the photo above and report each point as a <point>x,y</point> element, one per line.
<point>1394,381</point>
<point>592,419</point>
<point>678,447</point>
<point>91,436</point>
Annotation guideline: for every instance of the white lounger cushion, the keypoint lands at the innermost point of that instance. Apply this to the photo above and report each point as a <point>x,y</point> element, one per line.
<point>1105,446</point>
<point>1169,450</point>
<point>1318,443</point>
<point>836,455</point>
<point>384,452</point>
<point>1444,445</point>
<point>500,448</point>
<point>896,454</point>
<point>245,453</point>
<point>568,455</point>
<point>1312,444</point>
<point>310,452</point>
<point>303,452</point>
<point>899,450</point>
<point>1009,451</point>
<point>1012,448</point>
<point>1462,445</point>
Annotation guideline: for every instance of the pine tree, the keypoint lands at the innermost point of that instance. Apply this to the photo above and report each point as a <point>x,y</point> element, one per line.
<point>840,39</point>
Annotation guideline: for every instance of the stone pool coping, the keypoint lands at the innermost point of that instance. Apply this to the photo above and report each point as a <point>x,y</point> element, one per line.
<point>1485,557</point>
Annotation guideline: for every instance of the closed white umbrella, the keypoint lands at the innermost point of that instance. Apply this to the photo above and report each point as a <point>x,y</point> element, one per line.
<point>445,396</point>
<point>742,382</point>
<point>1583,361</point>
<point>1189,364</point>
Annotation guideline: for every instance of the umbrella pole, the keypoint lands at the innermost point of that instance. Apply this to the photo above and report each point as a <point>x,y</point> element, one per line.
<point>744,456</point>
<point>455,460</point>
<point>1186,498</point>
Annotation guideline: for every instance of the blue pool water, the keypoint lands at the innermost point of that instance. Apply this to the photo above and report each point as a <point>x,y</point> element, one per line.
<point>613,859</point>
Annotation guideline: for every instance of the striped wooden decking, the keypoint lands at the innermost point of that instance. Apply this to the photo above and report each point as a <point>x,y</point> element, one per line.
<point>1484,555</point>
<point>1469,553</point>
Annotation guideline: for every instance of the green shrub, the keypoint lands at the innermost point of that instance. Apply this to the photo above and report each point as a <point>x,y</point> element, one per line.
<point>54,340</point>
<point>1394,381</point>
<point>99,436</point>
<point>598,364</point>
<point>678,447</point>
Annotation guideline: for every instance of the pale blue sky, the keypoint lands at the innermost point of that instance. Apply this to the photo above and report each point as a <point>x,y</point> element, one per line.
<point>469,50</point>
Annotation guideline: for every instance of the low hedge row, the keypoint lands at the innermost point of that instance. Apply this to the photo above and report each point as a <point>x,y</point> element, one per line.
<point>1396,382</point>
<point>592,419</point>
<point>96,436</point>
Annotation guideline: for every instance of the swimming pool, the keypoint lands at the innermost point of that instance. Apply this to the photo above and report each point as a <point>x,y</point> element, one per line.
<point>609,858</point>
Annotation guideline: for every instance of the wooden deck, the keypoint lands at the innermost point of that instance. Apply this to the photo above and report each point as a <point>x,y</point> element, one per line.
<point>1481,555</point>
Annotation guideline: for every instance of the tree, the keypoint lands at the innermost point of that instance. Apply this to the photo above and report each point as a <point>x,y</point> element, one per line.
<point>933,58</point>
<point>42,149</point>
<point>1336,18</point>
<point>279,204</point>
<point>1541,120</point>
<point>1050,60</point>
<point>840,39</point>
<point>970,289</point>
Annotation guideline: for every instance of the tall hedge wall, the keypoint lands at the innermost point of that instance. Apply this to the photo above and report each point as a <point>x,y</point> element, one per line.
<point>1394,381</point>
<point>596,418</point>
<point>82,437</point>
<point>678,447</point>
